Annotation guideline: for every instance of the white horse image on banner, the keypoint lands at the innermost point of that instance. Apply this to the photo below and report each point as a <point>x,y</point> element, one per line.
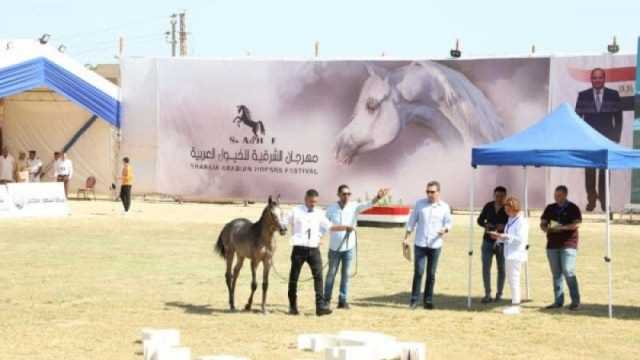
<point>451,108</point>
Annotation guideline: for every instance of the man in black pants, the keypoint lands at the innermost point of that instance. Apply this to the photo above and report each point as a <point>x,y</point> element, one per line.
<point>127,182</point>
<point>493,218</point>
<point>308,225</point>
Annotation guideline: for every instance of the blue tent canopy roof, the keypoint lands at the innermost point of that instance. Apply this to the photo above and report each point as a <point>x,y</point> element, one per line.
<point>561,139</point>
<point>25,65</point>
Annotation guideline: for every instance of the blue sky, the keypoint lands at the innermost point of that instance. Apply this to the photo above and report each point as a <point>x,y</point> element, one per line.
<point>345,29</point>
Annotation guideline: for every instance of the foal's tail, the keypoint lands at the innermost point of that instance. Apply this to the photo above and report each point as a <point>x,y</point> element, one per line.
<point>219,248</point>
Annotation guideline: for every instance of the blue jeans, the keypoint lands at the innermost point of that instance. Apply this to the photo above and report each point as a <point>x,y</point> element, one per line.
<point>335,258</point>
<point>488,251</point>
<point>430,256</point>
<point>563,263</point>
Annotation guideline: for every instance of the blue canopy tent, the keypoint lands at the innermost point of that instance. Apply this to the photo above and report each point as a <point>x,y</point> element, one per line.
<point>561,139</point>
<point>27,64</point>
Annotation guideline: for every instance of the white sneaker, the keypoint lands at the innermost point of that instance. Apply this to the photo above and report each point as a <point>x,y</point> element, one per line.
<point>512,310</point>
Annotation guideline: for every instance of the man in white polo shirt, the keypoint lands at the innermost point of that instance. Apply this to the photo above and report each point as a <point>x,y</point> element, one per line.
<point>308,225</point>
<point>431,218</point>
<point>7,167</point>
<point>34,165</point>
<point>63,171</point>
<point>344,212</point>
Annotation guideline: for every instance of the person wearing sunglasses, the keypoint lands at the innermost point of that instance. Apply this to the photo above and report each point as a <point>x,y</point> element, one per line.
<point>341,245</point>
<point>431,218</point>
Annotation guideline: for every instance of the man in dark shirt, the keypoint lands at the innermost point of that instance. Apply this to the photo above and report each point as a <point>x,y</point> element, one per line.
<point>560,221</point>
<point>600,107</point>
<point>493,218</point>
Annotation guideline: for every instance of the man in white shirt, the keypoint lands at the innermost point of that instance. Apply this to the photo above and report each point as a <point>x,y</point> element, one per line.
<point>308,225</point>
<point>22,174</point>
<point>7,167</point>
<point>431,217</point>
<point>63,171</point>
<point>34,165</point>
<point>344,212</point>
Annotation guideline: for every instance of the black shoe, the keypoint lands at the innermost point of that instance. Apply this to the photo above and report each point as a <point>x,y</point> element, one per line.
<point>293,311</point>
<point>574,306</point>
<point>413,306</point>
<point>323,311</point>
<point>486,300</point>
<point>344,305</point>
<point>591,202</point>
<point>553,306</point>
<point>498,298</point>
<point>429,306</point>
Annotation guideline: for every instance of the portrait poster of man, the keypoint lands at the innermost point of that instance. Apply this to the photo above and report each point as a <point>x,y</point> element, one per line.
<point>601,88</point>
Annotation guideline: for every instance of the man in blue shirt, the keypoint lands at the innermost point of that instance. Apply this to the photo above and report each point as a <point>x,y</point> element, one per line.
<point>431,218</point>
<point>344,212</point>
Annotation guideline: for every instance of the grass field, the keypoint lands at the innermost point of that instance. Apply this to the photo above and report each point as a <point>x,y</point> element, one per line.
<point>83,287</point>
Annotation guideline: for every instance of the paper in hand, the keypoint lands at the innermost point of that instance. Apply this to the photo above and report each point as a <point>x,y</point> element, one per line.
<point>406,251</point>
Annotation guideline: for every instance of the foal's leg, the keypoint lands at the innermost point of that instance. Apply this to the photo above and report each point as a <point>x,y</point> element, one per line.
<point>228,276</point>
<point>254,284</point>
<point>266,266</point>
<point>236,272</point>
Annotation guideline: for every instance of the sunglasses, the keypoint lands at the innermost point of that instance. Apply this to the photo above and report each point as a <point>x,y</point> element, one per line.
<point>431,192</point>
<point>345,194</point>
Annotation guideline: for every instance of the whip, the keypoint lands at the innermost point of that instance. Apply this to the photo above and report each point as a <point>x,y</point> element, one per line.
<point>326,264</point>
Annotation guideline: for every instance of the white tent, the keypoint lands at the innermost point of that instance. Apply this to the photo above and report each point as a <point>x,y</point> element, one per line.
<point>47,98</point>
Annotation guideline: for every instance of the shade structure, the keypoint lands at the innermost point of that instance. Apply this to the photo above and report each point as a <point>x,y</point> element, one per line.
<point>560,139</point>
<point>27,64</point>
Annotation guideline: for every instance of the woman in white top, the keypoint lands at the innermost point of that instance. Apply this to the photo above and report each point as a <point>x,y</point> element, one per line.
<point>515,239</point>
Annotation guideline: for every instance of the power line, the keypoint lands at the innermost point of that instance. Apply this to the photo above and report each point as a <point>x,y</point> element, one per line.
<point>114,44</point>
<point>141,21</point>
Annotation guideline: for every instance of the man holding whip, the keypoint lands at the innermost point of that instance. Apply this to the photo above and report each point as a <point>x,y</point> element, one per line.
<point>344,212</point>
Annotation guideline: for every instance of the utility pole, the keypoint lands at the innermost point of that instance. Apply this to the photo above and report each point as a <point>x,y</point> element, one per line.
<point>316,47</point>
<point>172,33</point>
<point>120,47</point>
<point>183,33</point>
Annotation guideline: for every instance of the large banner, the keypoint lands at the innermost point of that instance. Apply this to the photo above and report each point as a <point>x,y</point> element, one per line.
<point>33,200</point>
<point>635,187</point>
<point>601,89</point>
<point>245,129</point>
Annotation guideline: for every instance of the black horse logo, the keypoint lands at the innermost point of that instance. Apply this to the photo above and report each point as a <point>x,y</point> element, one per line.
<point>244,117</point>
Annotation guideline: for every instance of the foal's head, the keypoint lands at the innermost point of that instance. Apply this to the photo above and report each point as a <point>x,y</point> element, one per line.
<point>273,214</point>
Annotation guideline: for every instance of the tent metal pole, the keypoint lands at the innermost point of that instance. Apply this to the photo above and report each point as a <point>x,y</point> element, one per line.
<point>527,294</point>
<point>607,258</point>
<point>471,228</point>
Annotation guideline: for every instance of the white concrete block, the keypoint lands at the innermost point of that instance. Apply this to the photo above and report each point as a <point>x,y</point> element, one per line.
<point>365,336</point>
<point>304,341</point>
<point>172,353</point>
<point>147,333</point>
<point>359,352</point>
<point>322,342</point>
<point>170,337</point>
<point>383,346</point>
<point>150,347</point>
<point>412,351</point>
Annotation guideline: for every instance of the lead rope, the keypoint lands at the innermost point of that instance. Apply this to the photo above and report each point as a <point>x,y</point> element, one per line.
<point>326,264</point>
